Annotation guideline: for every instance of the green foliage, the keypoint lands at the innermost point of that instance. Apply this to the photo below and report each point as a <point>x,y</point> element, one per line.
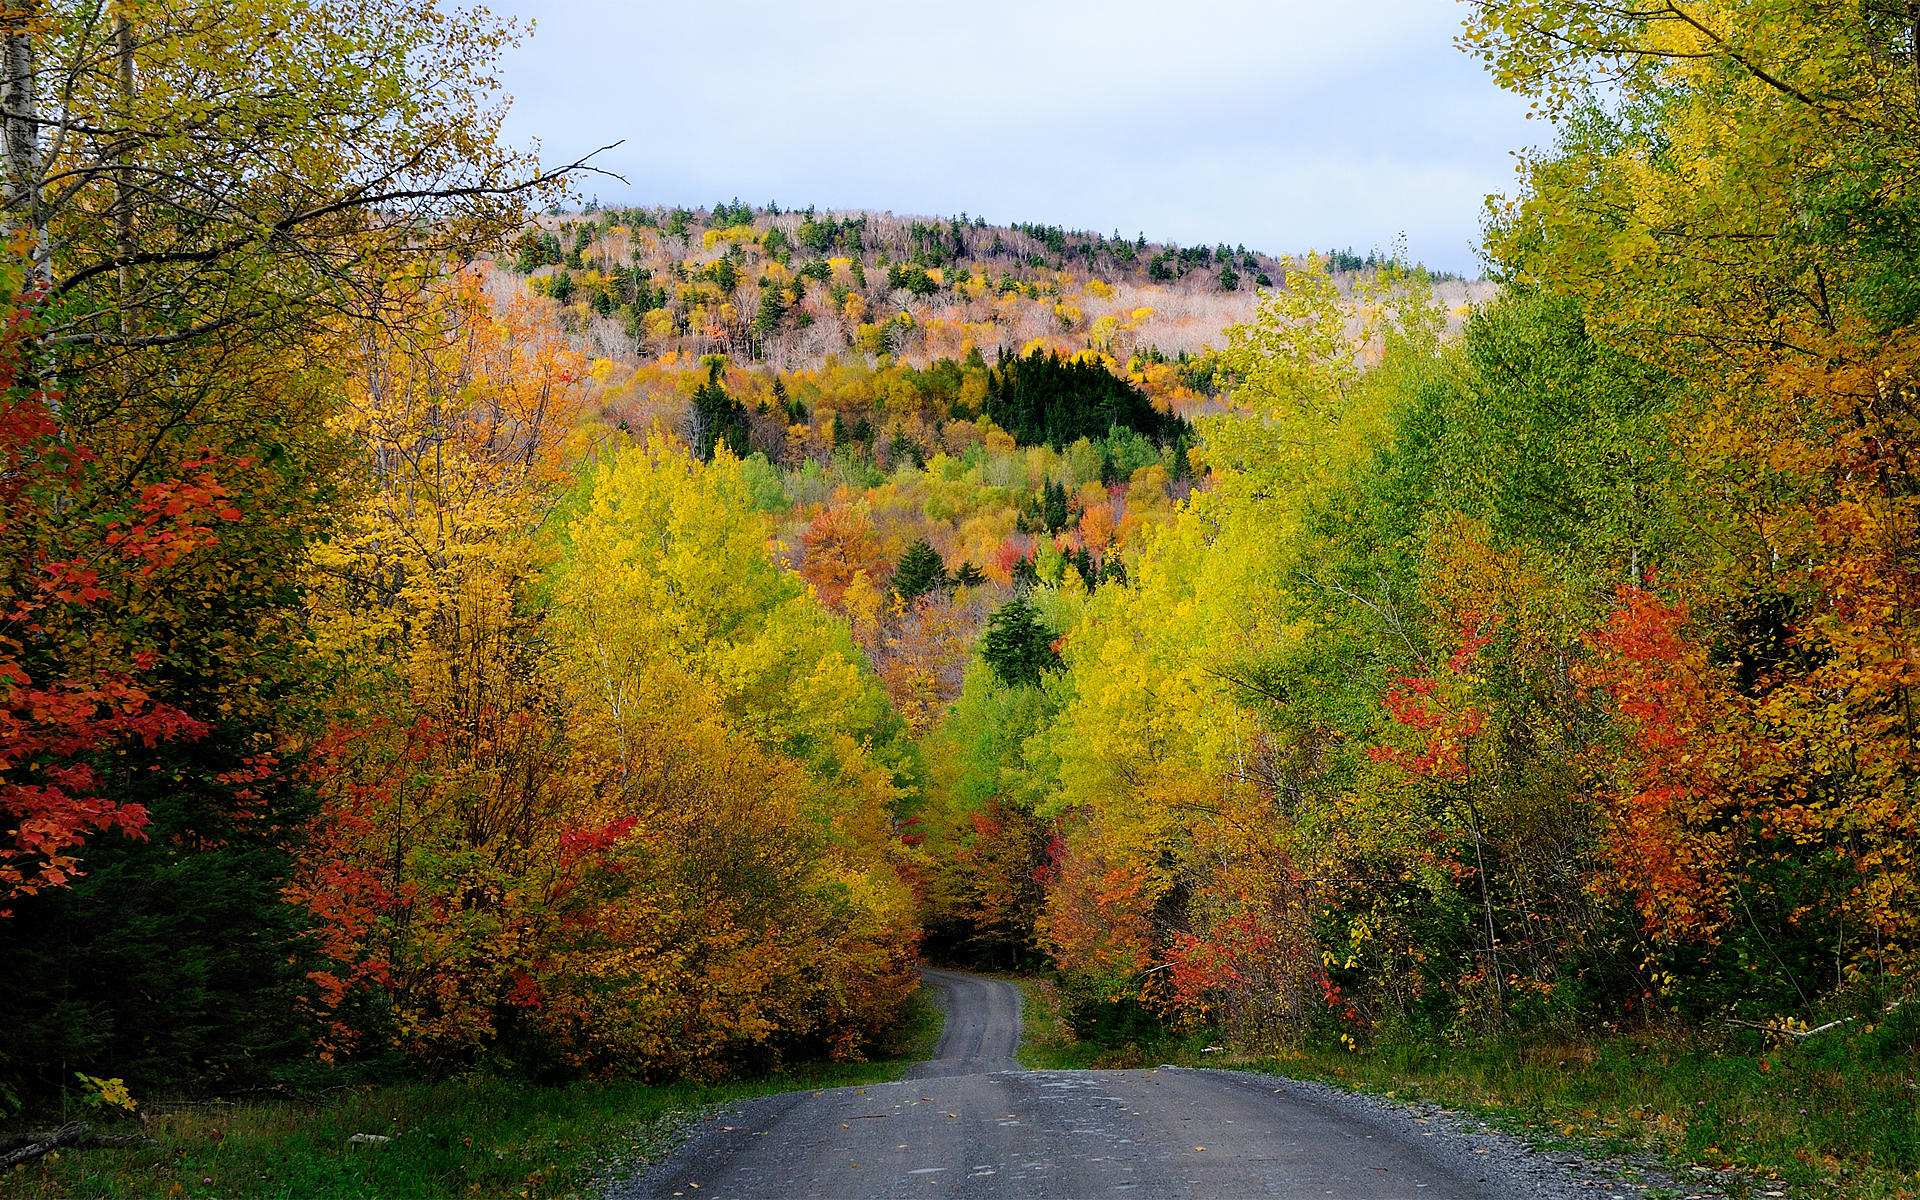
<point>913,278</point>
<point>764,484</point>
<point>920,571</point>
<point>725,216</point>
<point>723,272</point>
<point>767,318</point>
<point>1044,398</point>
<point>1017,644</point>
<point>1053,507</point>
<point>718,418</point>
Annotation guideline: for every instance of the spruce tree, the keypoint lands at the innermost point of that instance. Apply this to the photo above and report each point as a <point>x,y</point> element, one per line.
<point>1053,507</point>
<point>771,310</point>
<point>718,418</point>
<point>921,570</point>
<point>1017,645</point>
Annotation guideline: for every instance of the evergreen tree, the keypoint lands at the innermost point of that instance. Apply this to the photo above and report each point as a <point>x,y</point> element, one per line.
<point>1044,398</point>
<point>1024,573</point>
<point>1017,645</point>
<point>718,418</point>
<point>771,310</point>
<point>921,570</point>
<point>1082,561</point>
<point>902,448</point>
<point>968,576</point>
<point>1053,507</point>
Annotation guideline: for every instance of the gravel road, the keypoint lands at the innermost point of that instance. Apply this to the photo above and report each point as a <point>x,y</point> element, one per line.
<point>972,1123</point>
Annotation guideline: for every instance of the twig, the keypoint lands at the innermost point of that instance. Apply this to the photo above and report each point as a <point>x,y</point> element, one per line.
<point>1801,1035</point>
<point>1796,1034</point>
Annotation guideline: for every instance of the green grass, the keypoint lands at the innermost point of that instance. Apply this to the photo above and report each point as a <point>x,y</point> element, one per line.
<point>482,1136</point>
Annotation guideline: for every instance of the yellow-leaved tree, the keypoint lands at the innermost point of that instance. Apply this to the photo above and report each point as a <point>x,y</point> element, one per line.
<point>741,758</point>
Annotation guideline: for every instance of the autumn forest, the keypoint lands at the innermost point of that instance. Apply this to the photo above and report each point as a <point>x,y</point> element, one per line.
<point>449,625</point>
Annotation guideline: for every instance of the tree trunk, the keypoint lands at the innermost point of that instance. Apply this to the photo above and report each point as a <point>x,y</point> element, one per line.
<point>20,132</point>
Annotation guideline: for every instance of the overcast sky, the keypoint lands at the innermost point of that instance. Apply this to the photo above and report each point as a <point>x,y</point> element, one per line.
<point>1283,125</point>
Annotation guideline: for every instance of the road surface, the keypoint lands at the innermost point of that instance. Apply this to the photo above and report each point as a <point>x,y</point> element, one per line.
<point>972,1123</point>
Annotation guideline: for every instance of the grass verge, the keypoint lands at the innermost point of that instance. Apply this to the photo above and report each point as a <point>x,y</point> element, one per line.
<point>483,1136</point>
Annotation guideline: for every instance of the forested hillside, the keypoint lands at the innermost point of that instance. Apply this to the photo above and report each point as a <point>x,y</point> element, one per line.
<point>792,288</point>
<point>443,637</point>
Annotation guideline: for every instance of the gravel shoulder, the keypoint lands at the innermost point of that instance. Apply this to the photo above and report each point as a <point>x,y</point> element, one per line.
<point>1516,1165</point>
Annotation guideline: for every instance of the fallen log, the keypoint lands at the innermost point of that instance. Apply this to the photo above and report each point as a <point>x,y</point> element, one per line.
<point>70,1134</point>
<point>27,1147</point>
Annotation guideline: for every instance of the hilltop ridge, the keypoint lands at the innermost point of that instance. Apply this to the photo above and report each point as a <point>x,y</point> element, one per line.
<point>793,287</point>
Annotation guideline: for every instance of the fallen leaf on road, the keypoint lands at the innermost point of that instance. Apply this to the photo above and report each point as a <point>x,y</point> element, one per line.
<point>1200,1148</point>
<point>844,1125</point>
<point>953,1114</point>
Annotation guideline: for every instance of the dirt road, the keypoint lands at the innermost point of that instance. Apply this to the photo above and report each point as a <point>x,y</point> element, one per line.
<point>971,1123</point>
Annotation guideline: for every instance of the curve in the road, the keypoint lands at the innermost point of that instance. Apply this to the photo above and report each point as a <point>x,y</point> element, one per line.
<point>971,1123</point>
<point>982,1029</point>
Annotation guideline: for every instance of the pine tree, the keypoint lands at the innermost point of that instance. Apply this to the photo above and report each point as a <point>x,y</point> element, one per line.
<point>771,310</point>
<point>1053,508</point>
<point>1082,561</point>
<point>1017,645</point>
<point>718,418</point>
<point>921,570</point>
